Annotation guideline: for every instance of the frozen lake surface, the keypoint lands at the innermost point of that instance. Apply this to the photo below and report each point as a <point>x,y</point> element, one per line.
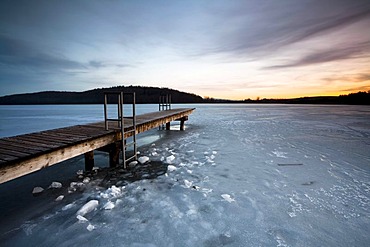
<point>239,175</point>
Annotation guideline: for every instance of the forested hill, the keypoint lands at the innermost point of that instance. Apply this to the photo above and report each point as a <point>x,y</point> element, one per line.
<point>96,96</point>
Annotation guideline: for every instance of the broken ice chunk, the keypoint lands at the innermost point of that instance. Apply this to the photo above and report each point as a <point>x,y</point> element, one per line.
<point>81,219</point>
<point>88,207</point>
<point>86,180</point>
<point>37,190</point>
<point>80,172</point>
<point>133,163</point>
<point>59,198</point>
<point>170,158</point>
<point>55,185</point>
<point>114,191</point>
<point>143,159</point>
<point>228,198</point>
<point>90,227</point>
<point>68,206</point>
<point>109,205</point>
<point>171,168</point>
<point>214,152</point>
<point>188,183</point>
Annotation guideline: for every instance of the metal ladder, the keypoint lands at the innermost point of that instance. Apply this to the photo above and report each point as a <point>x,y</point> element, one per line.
<point>164,104</point>
<point>121,123</point>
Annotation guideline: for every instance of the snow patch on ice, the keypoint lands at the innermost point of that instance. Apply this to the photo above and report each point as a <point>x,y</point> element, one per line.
<point>279,154</point>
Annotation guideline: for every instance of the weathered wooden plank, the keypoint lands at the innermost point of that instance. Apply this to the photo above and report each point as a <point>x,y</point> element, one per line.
<point>33,142</point>
<point>12,153</point>
<point>7,157</point>
<point>21,144</point>
<point>25,150</point>
<point>42,139</point>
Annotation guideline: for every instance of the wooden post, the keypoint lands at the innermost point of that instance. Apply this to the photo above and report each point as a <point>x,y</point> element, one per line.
<point>182,122</point>
<point>114,150</point>
<point>89,160</point>
<point>168,126</point>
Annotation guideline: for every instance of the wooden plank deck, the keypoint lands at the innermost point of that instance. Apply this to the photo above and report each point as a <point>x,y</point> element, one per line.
<point>23,154</point>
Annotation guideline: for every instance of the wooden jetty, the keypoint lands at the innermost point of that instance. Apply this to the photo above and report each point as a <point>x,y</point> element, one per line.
<point>24,154</point>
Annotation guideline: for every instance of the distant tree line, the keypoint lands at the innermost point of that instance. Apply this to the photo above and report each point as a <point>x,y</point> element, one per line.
<point>151,95</point>
<point>96,96</point>
<point>359,98</point>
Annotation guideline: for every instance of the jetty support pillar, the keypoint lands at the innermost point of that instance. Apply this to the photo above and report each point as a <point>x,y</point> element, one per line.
<point>182,122</point>
<point>114,150</point>
<point>89,160</point>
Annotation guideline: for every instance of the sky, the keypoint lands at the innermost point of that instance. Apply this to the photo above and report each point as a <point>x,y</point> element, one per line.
<point>229,49</point>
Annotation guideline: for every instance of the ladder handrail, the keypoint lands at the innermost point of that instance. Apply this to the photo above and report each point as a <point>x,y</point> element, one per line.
<point>121,122</point>
<point>164,104</point>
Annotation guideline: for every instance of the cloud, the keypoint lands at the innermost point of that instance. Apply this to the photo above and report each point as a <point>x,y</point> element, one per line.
<point>253,29</point>
<point>329,55</point>
<point>356,89</point>
<point>22,54</point>
<point>96,64</point>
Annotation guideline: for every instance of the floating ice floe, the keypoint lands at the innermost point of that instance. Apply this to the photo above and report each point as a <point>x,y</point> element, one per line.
<point>81,219</point>
<point>109,205</point>
<point>171,168</point>
<point>88,207</point>
<point>59,198</point>
<point>37,190</point>
<point>90,227</point>
<point>86,180</point>
<point>228,198</point>
<point>55,185</point>
<point>154,153</point>
<point>214,152</point>
<point>80,172</point>
<point>143,159</point>
<point>68,206</point>
<point>170,158</point>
